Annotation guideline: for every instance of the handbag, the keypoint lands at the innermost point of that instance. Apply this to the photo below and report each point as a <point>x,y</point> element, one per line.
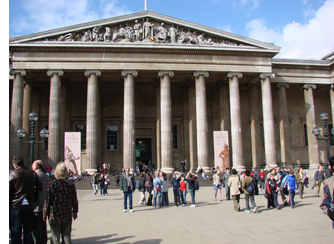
<point>240,185</point>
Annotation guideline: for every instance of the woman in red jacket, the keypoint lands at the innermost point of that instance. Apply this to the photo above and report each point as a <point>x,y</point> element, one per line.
<point>262,177</point>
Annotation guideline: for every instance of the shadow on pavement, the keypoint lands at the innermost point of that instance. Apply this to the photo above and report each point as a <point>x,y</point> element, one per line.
<point>100,239</point>
<point>152,241</point>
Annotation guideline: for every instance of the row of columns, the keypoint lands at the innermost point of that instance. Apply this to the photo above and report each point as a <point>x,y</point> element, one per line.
<point>198,126</point>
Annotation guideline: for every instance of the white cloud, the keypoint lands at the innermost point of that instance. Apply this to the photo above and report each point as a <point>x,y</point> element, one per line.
<point>314,39</point>
<point>45,15</point>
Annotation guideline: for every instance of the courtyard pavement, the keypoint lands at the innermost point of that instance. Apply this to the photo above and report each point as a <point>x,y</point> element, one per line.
<point>101,220</point>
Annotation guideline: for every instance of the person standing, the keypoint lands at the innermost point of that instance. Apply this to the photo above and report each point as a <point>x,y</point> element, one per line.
<point>226,176</point>
<point>183,165</point>
<point>217,186</point>
<point>290,182</point>
<point>157,183</point>
<point>106,183</point>
<point>256,178</point>
<point>176,188</point>
<point>108,168</point>
<point>150,166</point>
<point>49,169</point>
<point>183,189</point>
<point>191,185</point>
<point>127,187</point>
<point>102,185</point>
<point>95,183</point>
<point>249,191</point>
<point>61,205</point>
<point>149,186</point>
<point>329,171</point>
<point>141,189</point>
<point>164,190</point>
<point>300,180</point>
<point>39,231</point>
<point>262,177</point>
<point>105,168</point>
<point>24,190</point>
<point>117,179</point>
<point>271,190</point>
<point>318,180</point>
<point>233,183</point>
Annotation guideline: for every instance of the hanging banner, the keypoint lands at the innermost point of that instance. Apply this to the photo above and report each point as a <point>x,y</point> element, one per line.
<point>221,150</point>
<point>72,152</point>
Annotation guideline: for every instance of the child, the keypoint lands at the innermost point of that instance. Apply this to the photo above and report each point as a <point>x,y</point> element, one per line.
<point>183,189</point>
<point>164,190</point>
<point>176,188</point>
<point>203,175</point>
<point>271,186</point>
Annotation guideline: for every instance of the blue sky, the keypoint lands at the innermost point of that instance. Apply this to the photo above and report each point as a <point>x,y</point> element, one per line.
<point>302,28</point>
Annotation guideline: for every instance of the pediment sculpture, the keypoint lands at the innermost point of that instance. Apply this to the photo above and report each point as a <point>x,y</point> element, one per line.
<point>145,32</point>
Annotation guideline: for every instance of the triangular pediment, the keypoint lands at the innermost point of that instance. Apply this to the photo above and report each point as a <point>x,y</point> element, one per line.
<point>145,28</point>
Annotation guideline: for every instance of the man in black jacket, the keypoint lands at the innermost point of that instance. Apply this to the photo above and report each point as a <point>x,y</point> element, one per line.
<point>24,190</point>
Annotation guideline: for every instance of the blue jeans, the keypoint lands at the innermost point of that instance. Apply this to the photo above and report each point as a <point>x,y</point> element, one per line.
<point>126,195</point>
<point>192,194</point>
<point>262,185</point>
<point>183,196</point>
<point>18,219</point>
<point>177,196</point>
<point>251,197</point>
<point>228,197</point>
<point>157,193</point>
<point>95,188</point>
<point>292,198</point>
<point>102,189</point>
<point>164,201</point>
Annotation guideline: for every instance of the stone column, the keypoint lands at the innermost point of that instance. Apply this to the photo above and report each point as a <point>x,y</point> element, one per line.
<point>54,117</point>
<point>129,139</point>
<point>158,128</point>
<point>15,146</point>
<point>268,120</point>
<point>284,124</point>
<point>202,120</point>
<point>166,121</point>
<point>63,118</point>
<point>255,126</point>
<point>313,152</point>
<point>236,126</point>
<point>193,164</point>
<point>25,121</point>
<point>93,120</point>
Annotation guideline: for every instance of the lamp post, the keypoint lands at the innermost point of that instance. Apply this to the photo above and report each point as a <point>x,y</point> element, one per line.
<point>316,132</point>
<point>44,133</point>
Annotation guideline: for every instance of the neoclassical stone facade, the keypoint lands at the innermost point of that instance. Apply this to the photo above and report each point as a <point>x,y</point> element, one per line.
<point>151,87</point>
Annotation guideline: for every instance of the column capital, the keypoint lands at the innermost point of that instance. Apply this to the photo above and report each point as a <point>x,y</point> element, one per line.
<point>22,72</point>
<point>124,73</point>
<point>264,75</point>
<point>88,72</point>
<point>170,73</point>
<point>308,86</point>
<point>196,74</point>
<point>230,75</point>
<point>279,85</point>
<point>51,72</point>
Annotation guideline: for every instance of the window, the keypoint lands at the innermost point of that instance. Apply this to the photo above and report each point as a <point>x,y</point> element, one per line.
<point>305,135</point>
<point>331,142</point>
<point>82,129</point>
<point>175,137</point>
<point>112,133</point>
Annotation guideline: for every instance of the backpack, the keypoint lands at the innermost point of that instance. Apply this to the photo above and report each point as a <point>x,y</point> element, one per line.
<point>147,183</point>
<point>176,184</point>
<point>196,185</point>
<point>250,188</point>
<point>157,185</point>
<point>137,184</point>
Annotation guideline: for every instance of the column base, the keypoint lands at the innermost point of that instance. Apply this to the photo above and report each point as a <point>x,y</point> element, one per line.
<point>206,169</point>
<point>167,170</point>
<point>239,168</point>
<point>192,170</point>
<point>90,171</point>
<point>314,166</point>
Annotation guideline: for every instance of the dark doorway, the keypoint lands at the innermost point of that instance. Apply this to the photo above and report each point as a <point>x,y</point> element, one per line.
<point>143,150</point>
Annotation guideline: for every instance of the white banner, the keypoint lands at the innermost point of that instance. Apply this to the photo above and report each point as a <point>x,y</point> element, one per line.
<point>72,152</point>
<point>221,149</point>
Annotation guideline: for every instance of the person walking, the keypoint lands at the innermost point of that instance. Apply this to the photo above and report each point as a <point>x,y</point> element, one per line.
<point>191,185</point>
<point>149,187</point>
<point>164,190</point>
<point>262,177</point>
<point>127,187</point>
<point>157,183</point>
<point>256,178</point>
<point>290,182</point>
<point>61,205</point>
<point>40,229</point>
<point>226,176</point>
<point>318,179</point>
<point>95,183</point>
<point>141,189</point>
<point>300,180</point>
<point>248,185</point>
<point>24,190</point>
<point>271,192</point>
<point>217,186</point>
<point>233,183</point>
<point>176,188</point>
<point>102,185</point>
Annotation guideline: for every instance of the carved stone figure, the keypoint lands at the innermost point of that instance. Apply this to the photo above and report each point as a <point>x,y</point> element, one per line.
<point>181,36</point>
<point>128,32</point>
<point>67,37</point>
<point>138,31</point>
<point>107,35</point>
<point>191,38</point>
<point>202,41</point>
<point>147,29</point>
<point>96,33</point>
<point>119,34</point>
<point>86,36</point>
<point>172,34</point>
<point>161,33</point>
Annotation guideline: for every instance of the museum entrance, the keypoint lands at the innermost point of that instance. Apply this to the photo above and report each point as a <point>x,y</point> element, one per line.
<point>143,150</point>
